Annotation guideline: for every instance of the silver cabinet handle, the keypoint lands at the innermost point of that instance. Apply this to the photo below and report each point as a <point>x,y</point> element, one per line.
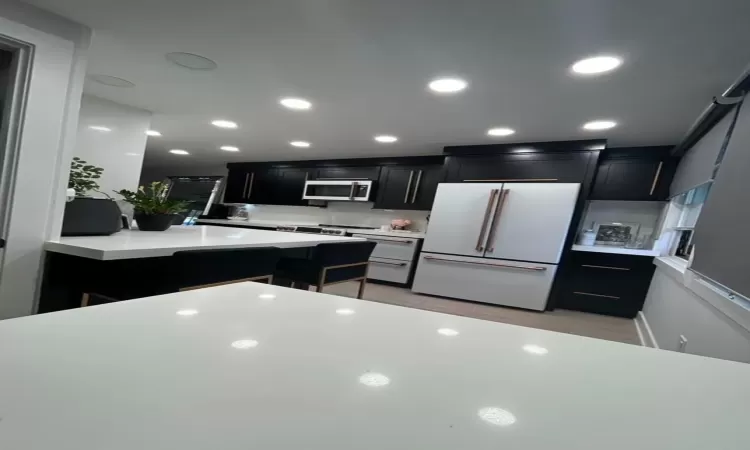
<point>250,188</point>
<point>400,241</point>
<point>244,188</point>
<point>595,295</point>
<point>372,261</point>
<point>416,187</point>
<point>501,266</point>
<point>483,230</point>
<point>495,219</point>
<point>408,186</point>
<point>656,178</point>
<point>604,267</point>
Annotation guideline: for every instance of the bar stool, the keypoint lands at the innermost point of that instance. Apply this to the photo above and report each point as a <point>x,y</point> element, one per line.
<point>195,269</point>
<point>329,264</point>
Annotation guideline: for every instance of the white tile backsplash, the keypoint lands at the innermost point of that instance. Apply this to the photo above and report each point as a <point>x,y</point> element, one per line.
<point>337,213</point>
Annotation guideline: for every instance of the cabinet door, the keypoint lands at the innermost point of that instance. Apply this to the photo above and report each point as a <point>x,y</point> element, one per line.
<point>289,185</point>
<point>236,187</point>
<point>262,187</point>
<point>425,187</point>
<point>547,168</point>
<point>395,187</point>
<point>532,221</point>
<point>349,173</point>
<point>630,180</point>
<point>460,218</point>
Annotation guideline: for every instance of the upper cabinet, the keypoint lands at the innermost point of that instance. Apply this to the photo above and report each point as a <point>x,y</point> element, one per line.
<point>289,184</point>
<point>519,167</point>
<point>408,187</point>
<point>346,172</point>
<point>643,173</point>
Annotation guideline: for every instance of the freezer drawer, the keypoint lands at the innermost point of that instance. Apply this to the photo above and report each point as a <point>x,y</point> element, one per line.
<point>393,270</point>
<point>501,282</point>
<point>392,247</point>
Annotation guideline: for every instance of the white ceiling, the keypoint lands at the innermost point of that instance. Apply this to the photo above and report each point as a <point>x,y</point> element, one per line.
<point>365,65</point>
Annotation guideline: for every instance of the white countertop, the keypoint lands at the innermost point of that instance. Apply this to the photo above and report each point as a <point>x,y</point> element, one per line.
<point>274,224</point>
<point>135,375</point>
<point>616,250</point>
<point>128,244</point>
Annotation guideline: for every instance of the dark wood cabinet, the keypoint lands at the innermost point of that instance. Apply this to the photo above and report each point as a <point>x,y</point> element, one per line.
<point>643,174</point>
<point>289,184</point>
<point>348,172</point>
<point>521,167</point>
<point>236,187</point>
<point>603,283</point>
<point>408,187</point>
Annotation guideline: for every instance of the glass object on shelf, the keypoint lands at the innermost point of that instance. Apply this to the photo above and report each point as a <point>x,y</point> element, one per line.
<point>689,205</point>
<point>239,212</point>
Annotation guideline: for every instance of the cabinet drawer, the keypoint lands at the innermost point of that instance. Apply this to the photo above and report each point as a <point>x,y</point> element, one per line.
<point>393,270</point>
<point>392,247</point>
<point>507,283</point>
<point>610,305</point>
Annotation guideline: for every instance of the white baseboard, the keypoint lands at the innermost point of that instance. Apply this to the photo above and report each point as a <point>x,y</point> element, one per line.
<point>642,322</point>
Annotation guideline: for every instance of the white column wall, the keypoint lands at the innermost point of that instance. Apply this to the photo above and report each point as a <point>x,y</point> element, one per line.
<point>119,151</point>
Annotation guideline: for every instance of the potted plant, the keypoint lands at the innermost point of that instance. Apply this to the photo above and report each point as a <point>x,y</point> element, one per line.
<point>85,215</point>
<point>152,209</point>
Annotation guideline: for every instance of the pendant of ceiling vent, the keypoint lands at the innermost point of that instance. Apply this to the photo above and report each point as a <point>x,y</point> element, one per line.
<point>191,61</point>
<point>108,80</point>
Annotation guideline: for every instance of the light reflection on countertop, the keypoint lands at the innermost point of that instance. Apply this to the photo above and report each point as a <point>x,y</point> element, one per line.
<point>292,373</point>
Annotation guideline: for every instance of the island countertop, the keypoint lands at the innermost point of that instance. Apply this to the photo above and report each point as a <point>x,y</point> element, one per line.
<point>128,244</point>
<point>258,366</point>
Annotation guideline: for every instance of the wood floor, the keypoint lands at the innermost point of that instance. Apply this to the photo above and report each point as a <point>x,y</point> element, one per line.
<point>572,322</point>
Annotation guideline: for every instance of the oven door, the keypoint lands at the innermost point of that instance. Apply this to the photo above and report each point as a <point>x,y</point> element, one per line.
<point>338,190</point>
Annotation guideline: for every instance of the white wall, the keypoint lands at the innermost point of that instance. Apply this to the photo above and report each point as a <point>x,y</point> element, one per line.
<point>46,135</point>
<point>672,310</point>
<point>120,151</point>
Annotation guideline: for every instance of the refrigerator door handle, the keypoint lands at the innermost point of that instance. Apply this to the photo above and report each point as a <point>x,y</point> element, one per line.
<point>501,266</point>
<point>495,220</point>
<point>483,230</point>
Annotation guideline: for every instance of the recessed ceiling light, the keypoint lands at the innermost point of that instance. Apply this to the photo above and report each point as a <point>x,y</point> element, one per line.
<point>191,61</point>
<point>153,133</point>
<point>535,349</point>
<point>374,379</point>
<point>245,344</point>
<point>344,312</point>
<point>187,312</point>
<point>295,103</point>
<point>448,85</point>
<point>497,416</point>
<point>447,332</point>
<point>302,144</point>
<point>501,131</point>
<point>108,80</point>
<point>100,128</point>
<point>595,65</point>
<point>386,139</point>
<point>177,151</point>
<point>599,125</point>
<point>229,148</point>
<point>224,124</point>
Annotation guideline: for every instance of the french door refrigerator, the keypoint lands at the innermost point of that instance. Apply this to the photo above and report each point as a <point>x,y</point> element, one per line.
<point>496,242</point>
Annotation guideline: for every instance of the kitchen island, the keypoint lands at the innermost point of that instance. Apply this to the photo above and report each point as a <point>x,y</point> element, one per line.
<point>257,366</point>
<point>71,261</point>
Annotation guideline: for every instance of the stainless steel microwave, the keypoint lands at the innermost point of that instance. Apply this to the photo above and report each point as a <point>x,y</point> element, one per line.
<point>338,190</point>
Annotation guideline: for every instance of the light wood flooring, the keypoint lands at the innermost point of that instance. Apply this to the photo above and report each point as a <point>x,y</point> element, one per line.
<point>572,322</point>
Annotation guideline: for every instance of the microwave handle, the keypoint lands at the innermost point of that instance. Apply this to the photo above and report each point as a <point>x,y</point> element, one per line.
<point>351,192</point>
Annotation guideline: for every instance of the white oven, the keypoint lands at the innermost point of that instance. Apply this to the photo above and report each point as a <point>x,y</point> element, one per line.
<point>338,190</point>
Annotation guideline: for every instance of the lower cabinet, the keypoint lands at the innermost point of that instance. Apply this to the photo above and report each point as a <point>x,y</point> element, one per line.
<point>392,259</point>
<point>604,283</point>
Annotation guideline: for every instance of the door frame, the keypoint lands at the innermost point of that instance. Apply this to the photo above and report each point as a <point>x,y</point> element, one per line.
<point>39,141</point>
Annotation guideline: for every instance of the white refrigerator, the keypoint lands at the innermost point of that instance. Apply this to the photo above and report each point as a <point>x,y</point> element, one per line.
<point>496,242</point>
